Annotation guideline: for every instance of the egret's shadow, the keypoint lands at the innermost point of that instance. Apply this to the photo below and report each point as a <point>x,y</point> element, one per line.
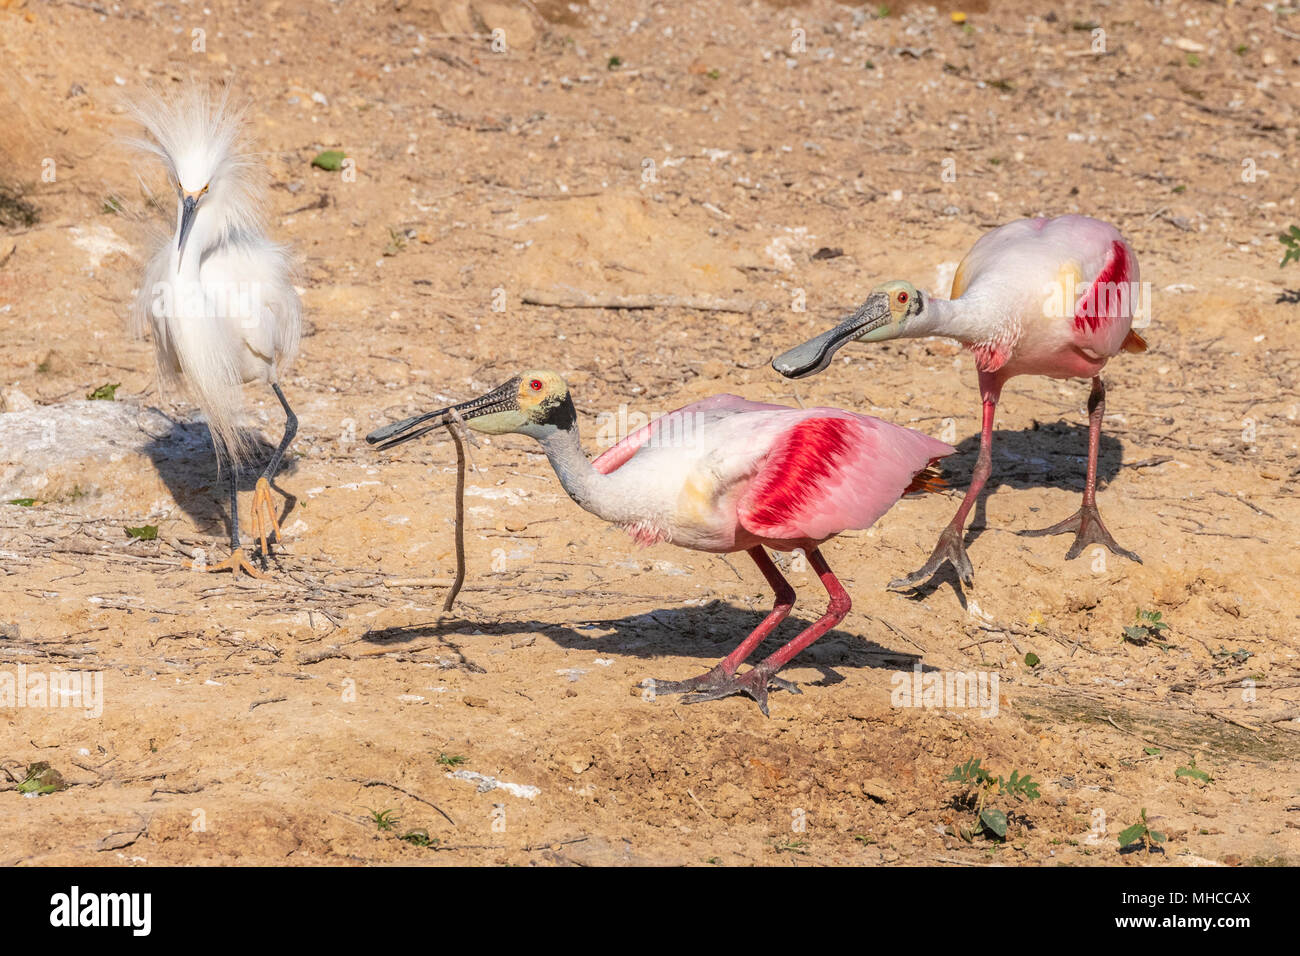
<point>707,632</point>
<point>187,464</point>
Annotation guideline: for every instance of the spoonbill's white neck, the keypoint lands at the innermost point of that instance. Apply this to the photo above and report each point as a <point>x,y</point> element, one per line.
<point>601,495</point>
<point>964,319</point>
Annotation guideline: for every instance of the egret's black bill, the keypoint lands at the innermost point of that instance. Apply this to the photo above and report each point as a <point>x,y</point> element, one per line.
<point>188,208</point>
<point>500,399</point>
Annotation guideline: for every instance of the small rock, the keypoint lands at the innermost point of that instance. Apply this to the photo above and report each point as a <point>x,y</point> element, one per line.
<point>472,701</point>
<point>878,790</point>
<point>12,399</point>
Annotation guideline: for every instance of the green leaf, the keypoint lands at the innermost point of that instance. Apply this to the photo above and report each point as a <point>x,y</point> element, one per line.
<point>146,532</point>
<point>1193,772</point>
<point>1031,659</point>
<point>969,772</point>
<point>105,393</point>
<point>994,821</point>
<point>1130,835</point>
<point>615,62</point>
<point>1020,786</point>
<point>21,502</point>
<point>331,160</point>
<point>418,838</point>
<point>42,779</point>
<point>1152,751</point>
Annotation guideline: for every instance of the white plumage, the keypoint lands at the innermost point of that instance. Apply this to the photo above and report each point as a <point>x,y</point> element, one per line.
<point>225,313</point>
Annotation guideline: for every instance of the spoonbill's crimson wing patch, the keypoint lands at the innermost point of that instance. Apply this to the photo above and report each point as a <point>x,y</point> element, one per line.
<point>1104,299</point>
<point>834,472</point>
<point>688,420</point>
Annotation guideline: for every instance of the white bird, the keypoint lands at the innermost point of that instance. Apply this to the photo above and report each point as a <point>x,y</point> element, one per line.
<point>218,295</point>
<point>1053,297</point>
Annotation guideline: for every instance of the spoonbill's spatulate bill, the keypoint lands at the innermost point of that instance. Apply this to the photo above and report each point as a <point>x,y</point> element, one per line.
<point>218,295</point>
<point>1053,297</point>
<point>721,475</point>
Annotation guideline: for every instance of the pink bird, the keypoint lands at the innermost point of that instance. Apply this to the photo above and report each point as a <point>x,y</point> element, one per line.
<point>1053,297</point>
<point>721,475</point>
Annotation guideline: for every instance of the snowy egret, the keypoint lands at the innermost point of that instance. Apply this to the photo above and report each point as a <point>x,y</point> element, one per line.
<point>218,295</point>
<point>721,475</point>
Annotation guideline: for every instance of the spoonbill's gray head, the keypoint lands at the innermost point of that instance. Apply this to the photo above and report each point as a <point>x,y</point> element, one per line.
<point>534,403</point>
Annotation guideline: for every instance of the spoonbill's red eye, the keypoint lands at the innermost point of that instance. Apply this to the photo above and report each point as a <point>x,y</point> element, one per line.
<point>535,385</point>
<point>902,297</point>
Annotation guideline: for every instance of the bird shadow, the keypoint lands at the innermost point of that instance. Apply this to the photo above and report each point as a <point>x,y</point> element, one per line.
<point>707,632</point>
<point>186,462</point>
<point>1046,455</point>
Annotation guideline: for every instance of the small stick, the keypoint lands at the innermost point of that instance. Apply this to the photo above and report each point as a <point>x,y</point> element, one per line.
<point>578,299</point>
<point>460,518</point>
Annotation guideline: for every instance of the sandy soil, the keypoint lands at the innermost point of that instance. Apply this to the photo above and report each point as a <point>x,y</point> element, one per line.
<point>248,722</point>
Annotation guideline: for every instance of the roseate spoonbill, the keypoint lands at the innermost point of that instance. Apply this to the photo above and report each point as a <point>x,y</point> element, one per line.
<point>1049,297</point>
<point>720,475</point>
<point>218,295</point>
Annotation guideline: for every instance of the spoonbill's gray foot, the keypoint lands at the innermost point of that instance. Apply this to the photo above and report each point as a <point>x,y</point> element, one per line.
<point>1086,523</point>
<point>726,668</point>
<point>762,676</point>
<point>755,683</point>
<point>1089,530</point>
<point>949,550</point>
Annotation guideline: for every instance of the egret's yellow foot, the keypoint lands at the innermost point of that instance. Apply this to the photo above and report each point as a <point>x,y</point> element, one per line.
<point>264,519</point>
<point>234,564</point>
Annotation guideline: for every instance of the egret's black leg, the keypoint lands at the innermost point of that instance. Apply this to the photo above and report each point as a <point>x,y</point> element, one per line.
<point>234,507</point>
<point>290,430</point>
<point>236,562</point>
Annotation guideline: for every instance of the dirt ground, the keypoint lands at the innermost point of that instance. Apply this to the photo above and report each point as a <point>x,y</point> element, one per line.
<point>752,155</point>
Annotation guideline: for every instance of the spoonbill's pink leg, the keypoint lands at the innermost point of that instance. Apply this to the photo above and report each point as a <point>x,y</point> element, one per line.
<point>951,547</point>
<point>756,681</point>
<point>1086,522</point>
<point>725,668</point>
